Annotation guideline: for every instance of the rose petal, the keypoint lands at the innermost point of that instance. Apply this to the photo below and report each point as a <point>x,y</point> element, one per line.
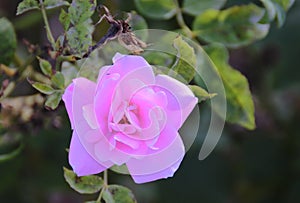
<point>134,73</point>
<point>157,162</point>
<point>67,98</point>
<point>102,72</point>
<point>184,95</point>
<point>89,115</point>
<point>82,163</point>
<point>117,56</point>
<point>128,63</point>
<point>83,95</point>
<point>105,151</point>
<point>120,137</point>
<point>167,173</point>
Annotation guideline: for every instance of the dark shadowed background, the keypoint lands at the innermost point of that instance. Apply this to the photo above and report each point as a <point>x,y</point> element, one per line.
<point>260,166</point>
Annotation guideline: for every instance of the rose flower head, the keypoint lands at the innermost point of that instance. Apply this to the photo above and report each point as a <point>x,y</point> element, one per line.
<point>129,116</point>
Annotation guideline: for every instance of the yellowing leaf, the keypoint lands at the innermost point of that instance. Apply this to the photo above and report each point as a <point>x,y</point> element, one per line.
<point>43,88</point>
<point>240,106</point>
<point>85,184</point>
<point>201,93</point>
<point>185,61</point>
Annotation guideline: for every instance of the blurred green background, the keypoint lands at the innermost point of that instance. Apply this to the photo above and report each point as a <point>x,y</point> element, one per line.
<point>260,166</point>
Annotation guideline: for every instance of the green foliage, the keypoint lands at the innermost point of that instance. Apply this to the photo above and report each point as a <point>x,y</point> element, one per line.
<point>79,35</point>
<point>64,19</point>
<point>81,10</point>
<point>58,80</point>
<point>43,88</point>
<point>53,100</point>
<point>163,9</point>
<point>286,4</point>
<point>55,89</point>
<point>118,194</point>
<point>49,4</point>
<point>201,93</point>
<point>137,22</point>
<point>120,169</point>
<point>276,9</point>
<point>8,41</point>
<point>185,62</point>
<point>85,184</point>
<point>11,155</point>
<point>27,5</point>
<point>159,58</point>
<point>234,27</point>
<point>195,7</point>
<point>45,66</point>
<point>240,107</point>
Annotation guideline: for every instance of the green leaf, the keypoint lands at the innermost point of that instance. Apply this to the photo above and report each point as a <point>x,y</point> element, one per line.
<point>195,7</point>
<point>286,4</point>
<point>27,5</point>
<point>85,184</point>
<point>43,88</point>
<point>270,11</point>
<point>137,22</point>
<point>45,66</point>
<point>162,9</point>
<point>49,4</point>
<point>79,35</point>
<point>64,19</point>
<point>276,9</point>
<point>159,58</point>
<point>120,169</point>
<point>81,10</point>
<point>118,194</point>
<point>58,80</point>
<point>280,15</point>
<point>240,106</point>
<point>201,93</point>
<point>11,155</point>
<point>53,100</point>
<point>8,41</point>
<point>233,27</point>
<point>185,62</point>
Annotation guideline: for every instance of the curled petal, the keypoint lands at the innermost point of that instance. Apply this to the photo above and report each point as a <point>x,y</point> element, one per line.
<point>158,162</point>
<point>166,173</point>
<point>106,151</point>
<point>183,94</point>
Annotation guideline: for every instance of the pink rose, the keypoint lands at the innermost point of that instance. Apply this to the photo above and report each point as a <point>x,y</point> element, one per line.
<point>130,116</point>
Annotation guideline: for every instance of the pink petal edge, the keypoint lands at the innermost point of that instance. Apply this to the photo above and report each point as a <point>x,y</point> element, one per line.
<point>67,98</point>
<point>155,163</point>
<point>82,163</point>
<point>167,173</point>
<point>183,94</point>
